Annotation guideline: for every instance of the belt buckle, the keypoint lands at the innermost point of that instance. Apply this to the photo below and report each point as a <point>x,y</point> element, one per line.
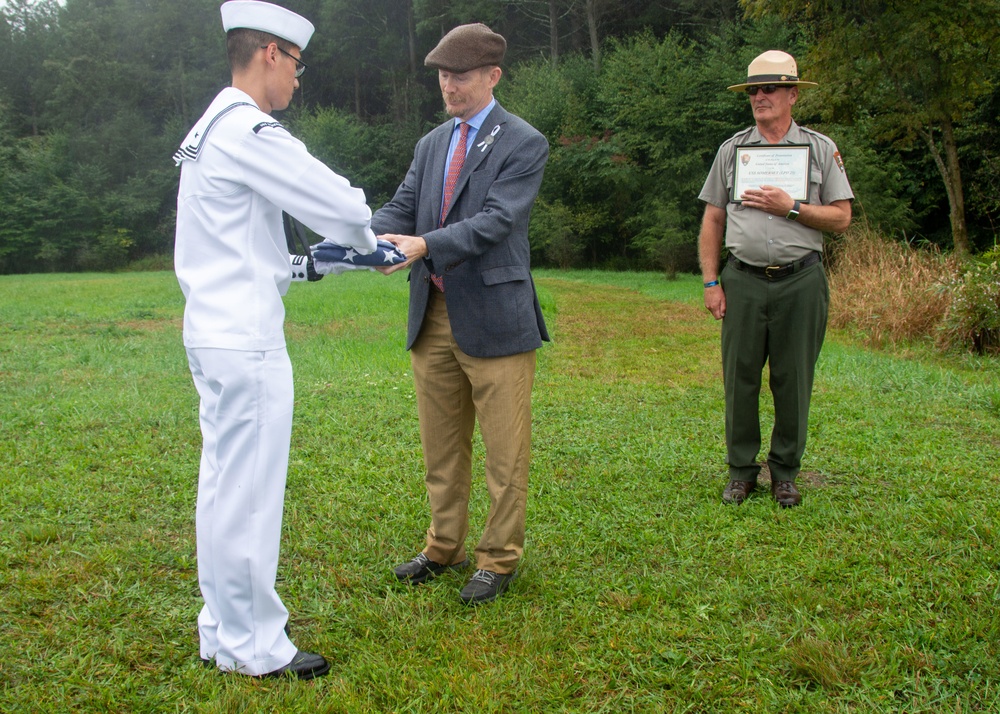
<point>777,270</point>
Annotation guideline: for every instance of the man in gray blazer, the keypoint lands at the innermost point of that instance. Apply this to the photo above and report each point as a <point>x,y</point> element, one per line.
<point>461,218</point>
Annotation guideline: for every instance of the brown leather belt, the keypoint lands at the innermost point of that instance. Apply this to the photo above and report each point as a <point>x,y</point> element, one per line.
<point>776,272</point>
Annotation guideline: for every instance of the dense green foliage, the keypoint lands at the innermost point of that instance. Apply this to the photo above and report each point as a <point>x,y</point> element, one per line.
<point>96,94</point>
<point>927,64</point>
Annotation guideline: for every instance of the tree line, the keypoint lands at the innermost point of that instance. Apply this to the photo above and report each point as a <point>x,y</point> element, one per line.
<point>95,96</point>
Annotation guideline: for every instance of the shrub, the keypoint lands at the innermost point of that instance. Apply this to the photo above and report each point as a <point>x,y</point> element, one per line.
<point>373,157</point>
<point>152,263</point>
<point>666,242</point>
<point>107,251</point>
<point>890,291</point>
<point>973,318</point>
<point>553,240</point>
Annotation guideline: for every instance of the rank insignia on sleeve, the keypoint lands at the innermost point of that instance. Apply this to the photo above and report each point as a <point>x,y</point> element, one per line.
<point>273,125</point>
<point>839,159</point>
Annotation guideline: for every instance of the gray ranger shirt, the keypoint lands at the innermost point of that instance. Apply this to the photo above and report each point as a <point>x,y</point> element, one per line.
<point>762,239</point>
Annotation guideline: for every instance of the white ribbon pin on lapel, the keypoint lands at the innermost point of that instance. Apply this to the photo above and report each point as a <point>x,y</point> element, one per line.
<point>489,139</point>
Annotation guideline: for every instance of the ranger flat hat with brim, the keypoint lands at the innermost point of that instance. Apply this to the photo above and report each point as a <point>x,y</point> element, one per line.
<point>265,17</point>
<point>467,47</point>
<point>772,67</point>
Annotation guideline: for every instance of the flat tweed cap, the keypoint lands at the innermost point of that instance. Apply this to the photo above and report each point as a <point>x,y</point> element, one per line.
<point>467,47</point>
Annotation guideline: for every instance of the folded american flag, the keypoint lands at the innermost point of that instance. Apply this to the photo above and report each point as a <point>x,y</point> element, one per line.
<point>333,258</point>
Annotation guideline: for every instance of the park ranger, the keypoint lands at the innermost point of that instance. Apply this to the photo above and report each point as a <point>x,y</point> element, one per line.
<point>773,190</point>
<point>239,170</point>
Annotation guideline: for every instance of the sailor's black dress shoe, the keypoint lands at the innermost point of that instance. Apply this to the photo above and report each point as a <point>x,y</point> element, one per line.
<point>304,665</point>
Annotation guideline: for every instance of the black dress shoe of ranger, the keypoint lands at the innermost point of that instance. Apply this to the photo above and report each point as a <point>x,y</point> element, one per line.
<point>304,665</point>
<point>422,568</point>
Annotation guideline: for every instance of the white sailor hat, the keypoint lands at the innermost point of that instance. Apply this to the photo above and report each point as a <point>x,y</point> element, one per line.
<point>263,16</point>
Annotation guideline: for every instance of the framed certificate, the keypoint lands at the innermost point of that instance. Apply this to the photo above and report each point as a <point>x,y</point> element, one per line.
<point>783,165</point>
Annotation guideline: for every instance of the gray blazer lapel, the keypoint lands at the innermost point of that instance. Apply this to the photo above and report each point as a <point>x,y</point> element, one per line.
<point>493,128</point>
<point>438,157</point>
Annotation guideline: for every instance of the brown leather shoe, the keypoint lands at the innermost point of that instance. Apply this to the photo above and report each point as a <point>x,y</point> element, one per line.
<point>737,492</point>
<point>785,493</point>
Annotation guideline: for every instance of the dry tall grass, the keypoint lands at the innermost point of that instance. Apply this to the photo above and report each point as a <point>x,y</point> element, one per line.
<point>890,292</point>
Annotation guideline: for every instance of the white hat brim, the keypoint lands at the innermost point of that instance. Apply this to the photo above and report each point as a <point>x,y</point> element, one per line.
<point>265,17</point>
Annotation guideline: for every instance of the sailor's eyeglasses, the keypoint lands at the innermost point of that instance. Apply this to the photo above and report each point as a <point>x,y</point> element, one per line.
<point>300,66</point>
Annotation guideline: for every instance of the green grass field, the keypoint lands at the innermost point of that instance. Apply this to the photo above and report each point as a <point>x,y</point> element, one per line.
<point>639,591</point>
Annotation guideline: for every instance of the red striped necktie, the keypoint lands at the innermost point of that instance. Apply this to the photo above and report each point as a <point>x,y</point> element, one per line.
<point>454,169</point>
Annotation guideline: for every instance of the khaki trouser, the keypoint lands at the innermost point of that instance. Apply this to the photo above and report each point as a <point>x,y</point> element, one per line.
<point>783,323</point>
<point>455,390</point>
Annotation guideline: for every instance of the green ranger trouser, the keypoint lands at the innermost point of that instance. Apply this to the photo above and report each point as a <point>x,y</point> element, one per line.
<point>781,322</point>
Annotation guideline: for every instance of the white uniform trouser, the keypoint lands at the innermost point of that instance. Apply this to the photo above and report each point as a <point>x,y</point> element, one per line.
<point>246,425</point>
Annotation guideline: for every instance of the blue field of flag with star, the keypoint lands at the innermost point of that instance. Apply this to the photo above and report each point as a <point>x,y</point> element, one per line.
<point>385,254</point>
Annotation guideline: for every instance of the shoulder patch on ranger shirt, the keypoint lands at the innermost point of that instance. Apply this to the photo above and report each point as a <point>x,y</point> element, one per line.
<point>267,124</point>
<point>839,159</point>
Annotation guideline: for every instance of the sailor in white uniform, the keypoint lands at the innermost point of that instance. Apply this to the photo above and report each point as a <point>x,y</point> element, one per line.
<point>239,170</point>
